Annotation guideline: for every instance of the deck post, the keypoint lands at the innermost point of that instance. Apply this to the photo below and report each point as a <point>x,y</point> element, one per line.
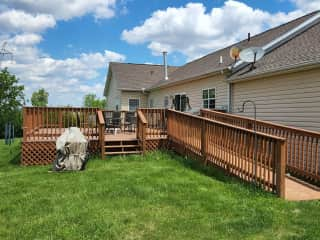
<point>101,132</point>
<point>24,124</point>
<point>141,129</point>
<point>280,168</point>
<point>102,141</point>
<point>144,138</point>
<point>203,141</point>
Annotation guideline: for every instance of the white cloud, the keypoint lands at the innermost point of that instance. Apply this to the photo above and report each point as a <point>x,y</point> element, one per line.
<point>65,10</point>
<point>62,76</point>
<point>194,31</point>
<point>22,23</point>
<point>26,39</point>
<point>12,21</point>
<point>307,5</point>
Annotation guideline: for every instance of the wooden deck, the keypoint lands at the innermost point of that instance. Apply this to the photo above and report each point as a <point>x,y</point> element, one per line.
<point>224,140</point>
<point>299,191</point>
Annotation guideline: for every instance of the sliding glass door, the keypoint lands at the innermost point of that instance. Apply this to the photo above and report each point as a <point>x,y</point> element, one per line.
<point>180,102</point>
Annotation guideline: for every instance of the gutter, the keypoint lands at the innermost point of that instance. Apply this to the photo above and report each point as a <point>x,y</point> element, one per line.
<point>133,90</point>
<point>287,70</point>
<point>281,40</point>
<point>221,71</point>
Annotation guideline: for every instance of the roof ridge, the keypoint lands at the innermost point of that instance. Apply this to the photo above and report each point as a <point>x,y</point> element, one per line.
<point>144,64</point>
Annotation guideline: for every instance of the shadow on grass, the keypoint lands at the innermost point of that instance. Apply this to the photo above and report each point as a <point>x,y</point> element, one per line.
<point>213,172</point>
<point>196,165</point>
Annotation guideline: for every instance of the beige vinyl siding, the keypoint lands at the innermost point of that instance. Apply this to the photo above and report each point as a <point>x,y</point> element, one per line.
<point>193,90</point>
<point>113,95</point>
<point>126,95</point>
<point>292,99</point>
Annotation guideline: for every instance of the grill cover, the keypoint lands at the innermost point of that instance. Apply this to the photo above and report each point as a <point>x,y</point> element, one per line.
<point>71,149</point>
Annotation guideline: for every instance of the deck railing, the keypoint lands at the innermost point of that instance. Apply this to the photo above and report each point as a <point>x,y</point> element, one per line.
<point>253,157</point>
<point>48,123</point>
<point>151,123</point>
<point>156,122</point>
<point>303,146</point>
<point>108,115</point>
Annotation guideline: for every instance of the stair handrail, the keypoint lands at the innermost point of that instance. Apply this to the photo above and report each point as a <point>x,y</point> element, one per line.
<point>141,129</point>
<point>245,121</point>
<point>101,123</point>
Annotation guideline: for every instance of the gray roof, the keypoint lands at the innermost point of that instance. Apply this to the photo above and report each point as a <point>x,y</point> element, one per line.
<point>132,76</point>
<point>286,54</point>
<point>300,51</point>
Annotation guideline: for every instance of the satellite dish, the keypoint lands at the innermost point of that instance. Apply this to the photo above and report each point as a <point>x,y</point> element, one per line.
<point>234,53</point>
<point>252,54</point>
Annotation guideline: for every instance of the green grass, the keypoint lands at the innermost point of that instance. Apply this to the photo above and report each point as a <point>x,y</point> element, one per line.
<point>158,196</point>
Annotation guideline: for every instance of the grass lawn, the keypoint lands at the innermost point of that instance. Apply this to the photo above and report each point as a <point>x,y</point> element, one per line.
<point>158,196</point>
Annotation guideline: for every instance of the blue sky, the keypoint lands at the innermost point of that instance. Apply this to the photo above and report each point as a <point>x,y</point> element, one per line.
<point>66,47</point>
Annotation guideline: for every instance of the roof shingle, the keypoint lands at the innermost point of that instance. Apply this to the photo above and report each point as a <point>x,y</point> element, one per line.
<point>211,62</point>
<point>302,50</point>
<point>137,76</point>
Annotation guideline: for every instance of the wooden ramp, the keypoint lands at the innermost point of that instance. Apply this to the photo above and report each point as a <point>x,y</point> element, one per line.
<point>299,191</point>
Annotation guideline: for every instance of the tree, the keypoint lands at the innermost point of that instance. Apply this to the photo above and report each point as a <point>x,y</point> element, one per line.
<point>11,100</point>
<point>91,100</point>
<point>39,98</point>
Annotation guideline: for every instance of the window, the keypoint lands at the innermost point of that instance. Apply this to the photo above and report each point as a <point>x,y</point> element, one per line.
<point>133,104</point>
<point>209,98</point>
<point>180,102</point>
<point>166,102</point>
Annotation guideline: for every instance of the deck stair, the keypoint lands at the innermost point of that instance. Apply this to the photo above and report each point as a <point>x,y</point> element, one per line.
<point>122,147</point>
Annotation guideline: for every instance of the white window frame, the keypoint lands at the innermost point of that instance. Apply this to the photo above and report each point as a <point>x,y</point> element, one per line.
<point>133,98</point>
<point>215,97</point>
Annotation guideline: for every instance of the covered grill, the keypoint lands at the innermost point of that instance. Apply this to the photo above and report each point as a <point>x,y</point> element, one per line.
<point>71,149</point>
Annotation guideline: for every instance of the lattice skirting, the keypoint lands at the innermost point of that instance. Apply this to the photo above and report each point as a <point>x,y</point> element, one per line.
<point>155,144</point>
<point>44,153</point>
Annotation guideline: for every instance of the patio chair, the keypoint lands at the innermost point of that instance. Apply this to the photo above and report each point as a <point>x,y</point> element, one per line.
<point>130,121</point>
<point>114,122</point>
<point>107,119</point>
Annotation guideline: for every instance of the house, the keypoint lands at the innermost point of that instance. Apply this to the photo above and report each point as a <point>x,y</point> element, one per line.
<point>127,84</point>
<point>284,84</point>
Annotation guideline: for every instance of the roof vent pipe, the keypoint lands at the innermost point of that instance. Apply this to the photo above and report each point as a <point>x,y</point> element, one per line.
<point>221,60</point>
<point>249,37</point>
<point>165,65</point>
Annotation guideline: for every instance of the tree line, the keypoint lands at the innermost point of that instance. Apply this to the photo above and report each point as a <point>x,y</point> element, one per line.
<point>12,99</point>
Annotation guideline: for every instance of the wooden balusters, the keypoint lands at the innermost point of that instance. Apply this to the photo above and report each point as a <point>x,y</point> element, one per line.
<point>302,145</point>
<point>47,123</point>
<point>156,122</point>
<point>239,151</point>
